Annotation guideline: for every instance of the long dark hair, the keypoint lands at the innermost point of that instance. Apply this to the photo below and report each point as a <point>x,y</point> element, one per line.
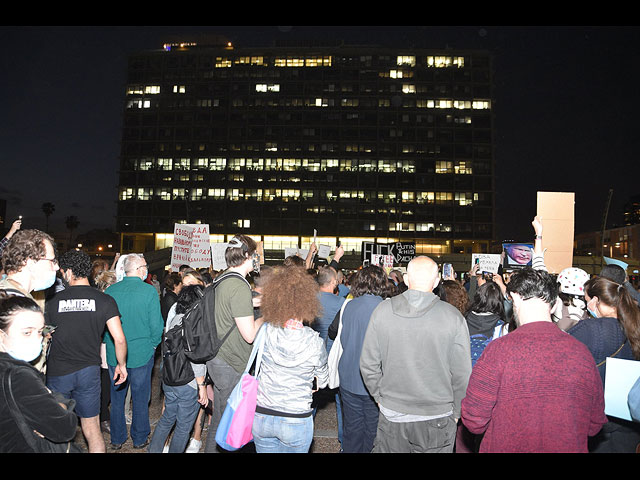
<point>616,295</point>
<point>488,299</point>
<point>187,297</point>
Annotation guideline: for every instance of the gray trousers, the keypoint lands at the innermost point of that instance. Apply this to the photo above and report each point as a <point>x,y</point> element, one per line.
<point>224,378</point>
<point>429,436</point>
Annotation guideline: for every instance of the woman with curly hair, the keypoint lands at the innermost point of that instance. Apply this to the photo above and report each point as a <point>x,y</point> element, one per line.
<point>359,410</point>
<point>294,363</point>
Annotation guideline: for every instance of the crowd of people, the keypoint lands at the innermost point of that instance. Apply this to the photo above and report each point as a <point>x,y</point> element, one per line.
<point>505,362</point>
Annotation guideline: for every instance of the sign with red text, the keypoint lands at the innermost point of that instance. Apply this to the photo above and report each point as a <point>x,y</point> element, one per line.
<point>191,246</point>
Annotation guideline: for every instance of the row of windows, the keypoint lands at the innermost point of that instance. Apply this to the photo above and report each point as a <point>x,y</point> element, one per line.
<point>292,194</point>
<point>459,167</point>
<point>443,104</point>
<point>434,61</point>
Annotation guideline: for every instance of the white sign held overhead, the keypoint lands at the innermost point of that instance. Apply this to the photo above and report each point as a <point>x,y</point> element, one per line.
<point>217,255</point>
<point>487,262</point>
<point>191,246</point>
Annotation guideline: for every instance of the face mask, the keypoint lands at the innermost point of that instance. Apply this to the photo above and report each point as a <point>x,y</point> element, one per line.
<point>26,351</point>
<point>256,262</point>
<point>45,281</point>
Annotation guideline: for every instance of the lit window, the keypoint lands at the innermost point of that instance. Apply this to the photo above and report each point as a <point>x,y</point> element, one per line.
<point>145,164</point>
<point>222,62</point>
<point>425,227</point>
<point>481,105</point>
<point>425,197</point>
<point>163,193</point>
<point>165,163</point>
<point>463,198</point>
<point>197,193</point>
<point>407,88</point>
<point>127,193</point>
<point>444,197</point>
<point>406,60</point>
<point>145,193</point>
<point>217,163</point>
<point>264,87</point>
<point>242,223</point>
<point>216,193</point>
<point>463,167</point>
<point>443,166</point>
<point>152,89</point>
<point>178,193</point>
<point>181,164</point>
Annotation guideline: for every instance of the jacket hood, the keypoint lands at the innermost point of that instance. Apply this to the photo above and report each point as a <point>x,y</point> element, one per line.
<point>481,323</point>
<point>413,303</point>
<point>289,347</point>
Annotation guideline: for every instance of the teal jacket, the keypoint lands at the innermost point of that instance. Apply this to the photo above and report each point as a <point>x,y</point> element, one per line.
<point>141,319</point>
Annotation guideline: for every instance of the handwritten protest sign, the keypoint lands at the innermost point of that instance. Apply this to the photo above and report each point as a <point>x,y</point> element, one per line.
<point>191,246</point>
<point>384,261</point>
<point>217,255</point>
<point>487,262</point>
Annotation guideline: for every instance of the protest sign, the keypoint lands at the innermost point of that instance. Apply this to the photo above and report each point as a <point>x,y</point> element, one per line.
<point>621,376</point>
<point>217,255</point>
<point>324,251</point>
<point>191,246</point>
<point>487,262</point>
<point>384,261</point>
<point>292,251</point>
<point>556,209</point>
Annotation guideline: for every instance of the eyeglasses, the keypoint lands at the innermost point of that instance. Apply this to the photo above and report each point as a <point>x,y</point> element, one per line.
<point>54,261</point>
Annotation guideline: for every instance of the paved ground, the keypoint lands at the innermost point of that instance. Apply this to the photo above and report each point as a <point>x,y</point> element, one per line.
<point>325,432</point>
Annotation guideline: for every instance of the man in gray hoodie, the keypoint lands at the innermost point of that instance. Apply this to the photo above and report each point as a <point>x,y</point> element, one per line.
<point>416,364</point>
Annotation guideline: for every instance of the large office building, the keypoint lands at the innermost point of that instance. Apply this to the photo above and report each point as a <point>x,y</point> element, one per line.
<point>359,143</point>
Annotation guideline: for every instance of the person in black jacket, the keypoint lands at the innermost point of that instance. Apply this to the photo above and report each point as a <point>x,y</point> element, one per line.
<point>172,286</point>
<point>32,419</point>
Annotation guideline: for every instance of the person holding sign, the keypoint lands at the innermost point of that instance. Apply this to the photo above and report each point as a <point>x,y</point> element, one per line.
<point>613,331</point>
<point>536,375</point>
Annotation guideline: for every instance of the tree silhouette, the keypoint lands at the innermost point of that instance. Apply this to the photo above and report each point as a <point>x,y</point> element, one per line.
<point>48,208</point>
<point>72,223</point>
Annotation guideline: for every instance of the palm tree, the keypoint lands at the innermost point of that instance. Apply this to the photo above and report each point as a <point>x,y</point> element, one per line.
<point>72,223</point>
<point>48,208</point>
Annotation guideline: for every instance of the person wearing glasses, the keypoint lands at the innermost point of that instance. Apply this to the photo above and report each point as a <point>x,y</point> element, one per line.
<point>29,262</point>
<point>143,325</point>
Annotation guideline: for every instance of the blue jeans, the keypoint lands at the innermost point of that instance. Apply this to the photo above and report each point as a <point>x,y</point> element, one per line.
<point>139,379</point>
<point>273,434</point>
<point>181,408</point>
<point>360,422</point>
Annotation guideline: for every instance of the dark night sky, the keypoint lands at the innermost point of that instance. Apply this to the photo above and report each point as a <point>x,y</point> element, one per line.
<point>566,112</point>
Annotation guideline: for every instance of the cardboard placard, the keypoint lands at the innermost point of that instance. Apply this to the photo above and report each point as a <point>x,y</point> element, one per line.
<point>556,209</point>
<point>191,246</point>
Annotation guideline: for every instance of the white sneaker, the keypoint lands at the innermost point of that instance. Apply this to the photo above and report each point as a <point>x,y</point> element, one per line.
<point>194,446</point>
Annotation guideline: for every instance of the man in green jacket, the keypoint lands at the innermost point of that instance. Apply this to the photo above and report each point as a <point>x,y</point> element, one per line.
<point>142,324</point>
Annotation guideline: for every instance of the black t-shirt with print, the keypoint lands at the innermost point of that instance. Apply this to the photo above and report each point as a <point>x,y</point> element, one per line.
<point>80,314</point>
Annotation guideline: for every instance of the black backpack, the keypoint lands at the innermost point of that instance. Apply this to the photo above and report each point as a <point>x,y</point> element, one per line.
<point>176,367</point>
<point>201,342</point>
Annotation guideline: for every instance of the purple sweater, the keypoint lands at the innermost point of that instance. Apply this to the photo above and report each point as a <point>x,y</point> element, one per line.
<point>535,390</point>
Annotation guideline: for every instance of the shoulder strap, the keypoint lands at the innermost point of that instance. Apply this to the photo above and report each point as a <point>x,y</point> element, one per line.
<point>613,354</point>
<point>344,304</point>
<point>7,390</point>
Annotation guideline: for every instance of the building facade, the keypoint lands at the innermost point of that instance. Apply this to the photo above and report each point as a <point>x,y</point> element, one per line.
<point>357,143</point>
